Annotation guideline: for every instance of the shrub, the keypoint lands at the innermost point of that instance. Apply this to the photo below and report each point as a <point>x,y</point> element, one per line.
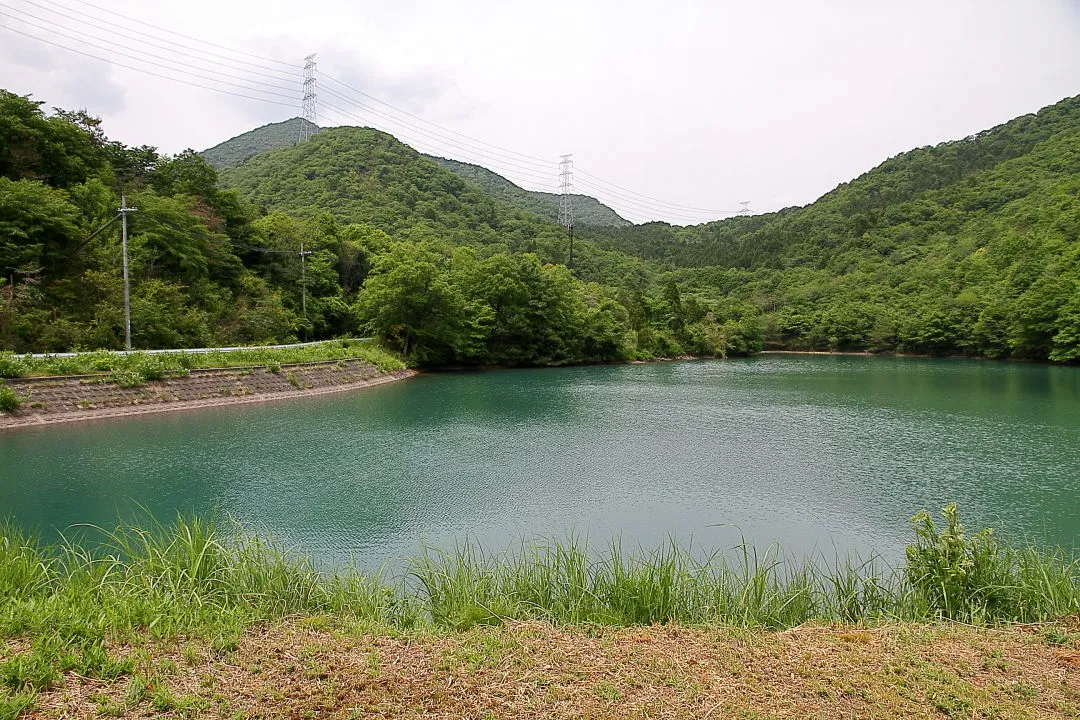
<point>9,401</point>
<point>127,378</point>
<point>12,366</point>
<point>151,368</point>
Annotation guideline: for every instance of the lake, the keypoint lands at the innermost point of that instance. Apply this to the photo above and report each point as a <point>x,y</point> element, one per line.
<point>818,453</point>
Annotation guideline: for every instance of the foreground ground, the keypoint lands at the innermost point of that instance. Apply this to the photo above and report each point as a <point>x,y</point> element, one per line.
<point>303,669</point>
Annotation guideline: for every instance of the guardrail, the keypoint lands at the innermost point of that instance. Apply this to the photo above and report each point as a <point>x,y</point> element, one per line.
<point>195,351</point>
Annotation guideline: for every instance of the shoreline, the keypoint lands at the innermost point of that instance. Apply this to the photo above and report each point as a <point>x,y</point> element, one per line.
<point>30,417</point>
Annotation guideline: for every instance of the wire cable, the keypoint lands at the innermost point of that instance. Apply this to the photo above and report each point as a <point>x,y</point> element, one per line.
<point>441,127</point>
<point>139,59</point>
<point>155,41</point>
<point>505,160</point>
<point>427,145</point>
<point>187,37</point>
<point>142,70</point>
<point>649,198</point>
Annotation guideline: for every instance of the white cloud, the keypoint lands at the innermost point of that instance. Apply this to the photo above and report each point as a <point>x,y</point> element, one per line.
<point>699,103</point>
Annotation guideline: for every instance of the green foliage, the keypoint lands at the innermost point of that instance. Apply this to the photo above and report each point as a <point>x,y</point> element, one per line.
<point>127,378</point>
<point>141,367</point>
<point>978,579</point>
<point>967,248</point>
<point>236,150</point>
<point>74,601</point>
<point>37,226</point>
<point>9,401</point>
<point>588,211</point>
<point>60,151</point>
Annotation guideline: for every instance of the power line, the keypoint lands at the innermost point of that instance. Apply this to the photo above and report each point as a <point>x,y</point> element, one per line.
<point>155,41</point>
<point>187,37</point>
<point>441,127</point>
<point>139,69</point>
<point>521,163</point>
<point>654,200</point>
<point>648,208</point>
<point>135,57</point>
<point>107,41</point>
<point>504,160</point>
<point>427,146</point>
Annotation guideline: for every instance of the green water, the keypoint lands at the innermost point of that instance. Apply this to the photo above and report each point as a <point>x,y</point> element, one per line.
<point>818,453</point>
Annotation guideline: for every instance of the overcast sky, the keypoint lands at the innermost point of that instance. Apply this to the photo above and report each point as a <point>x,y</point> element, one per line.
<point>694,104</point>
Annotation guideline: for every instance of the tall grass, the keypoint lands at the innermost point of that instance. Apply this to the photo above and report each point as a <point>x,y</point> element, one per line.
<point>189,575</point>
<point>154,367</point>
<point>75,599</point>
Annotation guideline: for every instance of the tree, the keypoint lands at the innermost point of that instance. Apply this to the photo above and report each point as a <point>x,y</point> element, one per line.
<point>38,224</point>
<point>411,305</point>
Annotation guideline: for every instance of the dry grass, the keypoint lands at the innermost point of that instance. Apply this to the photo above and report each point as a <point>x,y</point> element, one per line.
<point>532,670</point>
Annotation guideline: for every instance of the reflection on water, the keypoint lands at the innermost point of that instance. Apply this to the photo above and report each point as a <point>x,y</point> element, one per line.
<point>813,452</point>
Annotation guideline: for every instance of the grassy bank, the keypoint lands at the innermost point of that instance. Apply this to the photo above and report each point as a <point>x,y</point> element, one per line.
<point>154,367</point>
<point>96,608</point>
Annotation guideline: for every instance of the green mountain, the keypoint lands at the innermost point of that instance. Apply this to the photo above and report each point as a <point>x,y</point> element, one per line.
<point>965,247</point>
<point>588,211</point>
<point>237,150</point>
<point>969,247</point>
<point>361,175</point>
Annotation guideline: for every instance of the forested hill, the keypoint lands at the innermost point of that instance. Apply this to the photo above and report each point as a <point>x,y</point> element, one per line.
<point>235,151</point>
<point>588,211</point>
<point>361,175</point>
<point>967,247</point>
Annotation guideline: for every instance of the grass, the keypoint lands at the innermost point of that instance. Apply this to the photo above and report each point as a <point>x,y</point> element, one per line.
<point>137,368</point>
<point>69,606</point>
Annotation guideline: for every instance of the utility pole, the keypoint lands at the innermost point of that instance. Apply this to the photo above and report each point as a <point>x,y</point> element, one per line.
<point>303,285</point>
<point>566,201</point>
<point>124,210</point>
<point>309,124</point>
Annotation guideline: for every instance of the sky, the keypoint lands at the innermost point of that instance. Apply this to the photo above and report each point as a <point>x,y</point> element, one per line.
<point>675,111</point>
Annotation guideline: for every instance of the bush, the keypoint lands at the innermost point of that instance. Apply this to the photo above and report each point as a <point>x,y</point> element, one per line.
<point>12,366</point>
<point>127,379</point>
<point>980,580</point>
<point>9,401</point>
<point>151,368</point>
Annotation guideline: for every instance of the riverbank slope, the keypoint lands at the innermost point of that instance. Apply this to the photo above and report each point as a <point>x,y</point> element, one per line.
<point>48,400</point>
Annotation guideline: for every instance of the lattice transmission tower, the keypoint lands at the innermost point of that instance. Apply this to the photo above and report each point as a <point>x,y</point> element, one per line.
<point>566,201</point>
<point>310,123</point>
<point>745,208</point>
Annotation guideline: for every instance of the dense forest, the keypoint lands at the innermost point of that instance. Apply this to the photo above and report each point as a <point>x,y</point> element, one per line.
<point>588,211</point>
<point>968,247</point>
<point>397,245</point>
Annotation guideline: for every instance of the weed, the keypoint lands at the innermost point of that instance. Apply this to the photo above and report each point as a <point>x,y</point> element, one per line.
<point>155,367</point>
<point>12,705</point>
<point>9,401</point>
<point>127,379</point>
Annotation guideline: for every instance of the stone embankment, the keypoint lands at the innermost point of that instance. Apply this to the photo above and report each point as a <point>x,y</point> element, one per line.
<point>84,397</point>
